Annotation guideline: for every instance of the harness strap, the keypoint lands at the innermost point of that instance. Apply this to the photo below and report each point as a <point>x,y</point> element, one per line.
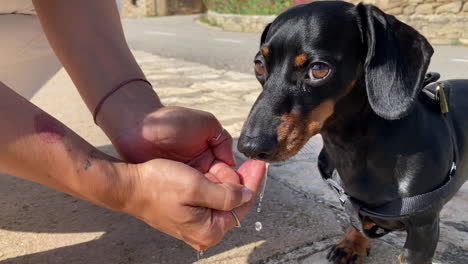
<point>412,205</point>
<point>395,209</point>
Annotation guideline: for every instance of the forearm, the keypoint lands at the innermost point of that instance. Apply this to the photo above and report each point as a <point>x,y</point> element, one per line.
<point>36,147</point>
<point>93,50</point>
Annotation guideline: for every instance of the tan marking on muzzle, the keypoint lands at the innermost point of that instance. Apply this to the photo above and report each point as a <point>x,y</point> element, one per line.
<point>300,60</point>
<point>295,129</point>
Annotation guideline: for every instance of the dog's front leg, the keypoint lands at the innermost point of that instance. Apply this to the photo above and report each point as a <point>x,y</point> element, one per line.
<point>421,242</point>
<point>351,249</point>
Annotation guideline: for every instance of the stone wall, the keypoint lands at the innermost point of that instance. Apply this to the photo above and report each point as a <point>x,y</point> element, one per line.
<point>142,8</point>
<point>422,7</point>
<point>185,7</point>
<point>138,8</point>
<point>243,23</point>
<point>441,21</point>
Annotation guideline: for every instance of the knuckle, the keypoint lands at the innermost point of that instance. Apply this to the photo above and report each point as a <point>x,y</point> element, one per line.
<point>210,115</point>
<point>227,135</point>
<point>231,197</point>
<point>206,235</point>
<point>192,190</point>
<point>210,239</point>
<point>209,234</point>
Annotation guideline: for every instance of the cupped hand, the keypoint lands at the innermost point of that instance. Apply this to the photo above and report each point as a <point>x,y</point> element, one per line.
<point>190,136</point>
<point>180,201</point>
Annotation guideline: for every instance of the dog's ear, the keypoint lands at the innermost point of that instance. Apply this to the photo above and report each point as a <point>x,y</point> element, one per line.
<point>396,62</point>
<point>264,34</point>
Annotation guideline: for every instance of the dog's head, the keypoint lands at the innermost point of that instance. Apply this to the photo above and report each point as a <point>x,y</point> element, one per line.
<point>313,55</point>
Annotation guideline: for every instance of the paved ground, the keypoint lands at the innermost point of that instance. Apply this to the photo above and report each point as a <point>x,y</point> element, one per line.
<point>300,216</point>
<point>181,37</point>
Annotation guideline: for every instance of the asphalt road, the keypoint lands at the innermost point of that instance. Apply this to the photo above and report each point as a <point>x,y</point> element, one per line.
<point>183,38</point>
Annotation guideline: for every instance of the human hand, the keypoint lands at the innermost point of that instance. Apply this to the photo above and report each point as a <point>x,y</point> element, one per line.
<point>190,136</point>
<point>177,199</point>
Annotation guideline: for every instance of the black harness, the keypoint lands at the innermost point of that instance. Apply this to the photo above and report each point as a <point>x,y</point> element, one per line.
<point>408,206</point>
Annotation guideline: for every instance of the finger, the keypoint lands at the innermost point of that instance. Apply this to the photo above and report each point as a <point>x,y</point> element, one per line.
<point>196,246</point>
<point>199,244</point>
<point>251,173</point>
<point>202,162</point>
<point>205,243</point>
<point>224,173</point>
<point>210,176</point>
<point>221,143</point>
<point>202,234</point>
<point>224,196</point>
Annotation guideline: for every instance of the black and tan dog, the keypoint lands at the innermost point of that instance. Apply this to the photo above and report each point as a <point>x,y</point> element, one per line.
<point>355,75</point>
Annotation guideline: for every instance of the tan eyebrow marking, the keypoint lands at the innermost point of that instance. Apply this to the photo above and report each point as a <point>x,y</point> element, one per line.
<point>265,51</point>
<point>300,60</point>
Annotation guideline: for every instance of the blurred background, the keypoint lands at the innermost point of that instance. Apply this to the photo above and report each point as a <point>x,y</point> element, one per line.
<point>441,21</point>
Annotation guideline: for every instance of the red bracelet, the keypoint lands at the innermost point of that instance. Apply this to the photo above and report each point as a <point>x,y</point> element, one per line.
<point>101,102</point>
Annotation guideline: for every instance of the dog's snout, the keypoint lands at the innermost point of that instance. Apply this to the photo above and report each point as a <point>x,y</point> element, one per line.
<point>261,148</point>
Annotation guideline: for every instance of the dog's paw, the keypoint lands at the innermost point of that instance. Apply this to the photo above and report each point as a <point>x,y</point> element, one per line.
<point>344,255</point>
<point>351,249</point>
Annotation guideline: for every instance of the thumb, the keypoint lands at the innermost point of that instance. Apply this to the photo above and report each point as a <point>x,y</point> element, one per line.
<point>251,174</point>
<point>221,196</point>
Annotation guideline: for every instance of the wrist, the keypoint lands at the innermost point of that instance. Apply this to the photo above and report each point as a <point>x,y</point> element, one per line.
<point>126,108</point>
<point>118,187</point>
<point>102,180</point>
<point>137,188</point>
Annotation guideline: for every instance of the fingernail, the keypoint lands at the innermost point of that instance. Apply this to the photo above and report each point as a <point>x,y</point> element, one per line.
<point>246,195</point>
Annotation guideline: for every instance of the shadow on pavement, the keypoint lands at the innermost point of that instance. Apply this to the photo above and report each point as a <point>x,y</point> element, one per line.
<point>297,228</point>
<point>289,220</point>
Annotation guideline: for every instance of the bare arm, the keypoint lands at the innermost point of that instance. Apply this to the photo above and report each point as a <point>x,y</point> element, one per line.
<point>88,39</point>
<point>37,147</point>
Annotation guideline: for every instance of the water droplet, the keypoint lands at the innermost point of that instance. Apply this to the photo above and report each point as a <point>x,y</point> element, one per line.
<point>258,226</point>
<point>262,192</point>
<point>199,254</point>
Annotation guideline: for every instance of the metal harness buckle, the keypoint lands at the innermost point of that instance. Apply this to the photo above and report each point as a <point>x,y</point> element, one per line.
<point>441,98</point>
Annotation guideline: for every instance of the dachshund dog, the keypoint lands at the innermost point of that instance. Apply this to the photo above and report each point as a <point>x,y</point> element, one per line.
<point>356,76</point>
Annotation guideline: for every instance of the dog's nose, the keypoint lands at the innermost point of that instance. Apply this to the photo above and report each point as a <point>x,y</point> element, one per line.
<point>261,148</point>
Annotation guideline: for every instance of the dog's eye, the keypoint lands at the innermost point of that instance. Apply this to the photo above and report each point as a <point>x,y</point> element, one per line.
<point>318,71</point>
<point>259,68</point>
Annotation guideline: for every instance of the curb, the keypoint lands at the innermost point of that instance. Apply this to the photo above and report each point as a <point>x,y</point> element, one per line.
<point>438,29</point>
<point>239,23</point>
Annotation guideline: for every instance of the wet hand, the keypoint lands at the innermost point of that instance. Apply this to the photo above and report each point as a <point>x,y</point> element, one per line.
<point>191,206</point>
